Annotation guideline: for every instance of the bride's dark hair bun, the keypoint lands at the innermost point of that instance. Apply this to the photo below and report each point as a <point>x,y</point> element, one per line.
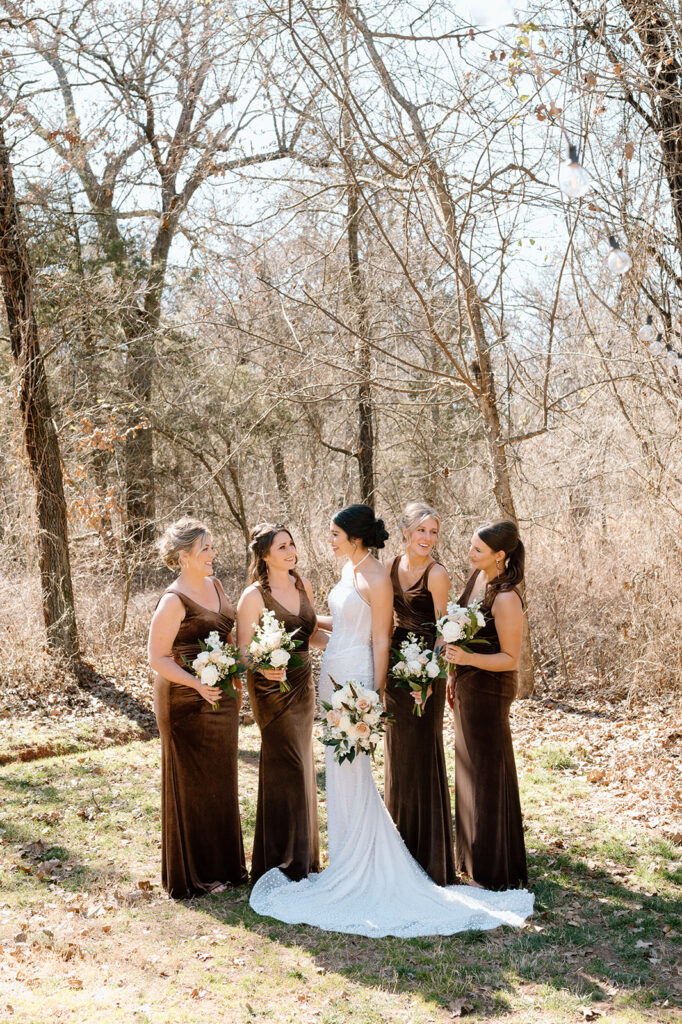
<point>360,523</point>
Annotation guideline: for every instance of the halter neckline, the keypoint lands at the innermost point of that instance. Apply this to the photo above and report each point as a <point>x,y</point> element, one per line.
<point>361,561</point>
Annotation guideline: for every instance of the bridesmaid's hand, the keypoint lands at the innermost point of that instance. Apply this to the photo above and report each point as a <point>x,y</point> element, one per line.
<point>210,693</point>
<point>275,675</point>
<point>455,655</point>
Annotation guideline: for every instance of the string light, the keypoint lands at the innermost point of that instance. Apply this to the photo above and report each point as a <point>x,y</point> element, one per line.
<point>574,181</point>
<point>618,261</point>
<point>656,347</point>
<point>647,332</point>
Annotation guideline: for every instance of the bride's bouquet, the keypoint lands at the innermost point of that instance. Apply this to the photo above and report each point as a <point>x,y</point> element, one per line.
<point>272,647</point>
<point>354,721</point>
<point>217,664</point>
<point>416,669</point>
<point>460,625</point>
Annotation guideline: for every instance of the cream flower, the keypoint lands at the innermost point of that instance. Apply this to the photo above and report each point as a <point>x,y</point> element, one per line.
<point>279,658</point>
<point>452,632</point>
<point>209,675</point>
<point>432,669</point>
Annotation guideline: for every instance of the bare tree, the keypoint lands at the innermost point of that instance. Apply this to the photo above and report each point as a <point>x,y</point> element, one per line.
<point>40,436</point>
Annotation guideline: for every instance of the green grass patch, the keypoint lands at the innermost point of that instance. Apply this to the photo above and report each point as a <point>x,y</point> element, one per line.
<point>88,935</point>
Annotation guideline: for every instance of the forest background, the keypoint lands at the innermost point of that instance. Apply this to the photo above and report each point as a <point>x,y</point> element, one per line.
<point>272,258</point>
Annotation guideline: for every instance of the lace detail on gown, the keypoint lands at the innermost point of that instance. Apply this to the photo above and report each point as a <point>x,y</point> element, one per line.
<point>372,886</point>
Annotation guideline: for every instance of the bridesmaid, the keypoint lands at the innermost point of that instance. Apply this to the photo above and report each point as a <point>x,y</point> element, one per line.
<point>415,777</point>
<point>490,847</point>
<point>201,835</point>
<point>286,833</point>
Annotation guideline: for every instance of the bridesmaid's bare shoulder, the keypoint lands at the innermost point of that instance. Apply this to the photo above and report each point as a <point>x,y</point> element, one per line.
<point>250,597</point>
<point>439,573</point>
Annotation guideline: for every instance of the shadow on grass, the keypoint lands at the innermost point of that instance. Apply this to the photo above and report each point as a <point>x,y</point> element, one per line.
<point>118,699</point>
<point>581,943</point>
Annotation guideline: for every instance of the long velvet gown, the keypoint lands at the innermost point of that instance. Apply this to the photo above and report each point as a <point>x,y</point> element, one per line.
<point>489,840</point>
<point>286,834</point>
<point>201,835</point>
<point>415,777</point>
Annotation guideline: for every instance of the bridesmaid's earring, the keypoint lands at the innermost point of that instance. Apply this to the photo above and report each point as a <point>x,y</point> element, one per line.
<point>497,563</point>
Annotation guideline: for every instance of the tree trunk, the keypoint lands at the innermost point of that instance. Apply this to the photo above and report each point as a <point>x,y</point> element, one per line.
<point>366,441</point>
<point>366,434</point>
<point>281,478</point>
<point>40,435</point>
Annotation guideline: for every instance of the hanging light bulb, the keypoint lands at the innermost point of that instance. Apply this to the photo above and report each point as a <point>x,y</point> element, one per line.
<point>618,261</point>
<point>670,356</point>
<point>574,181</point>
<point>656,347</point>
<point>646,332</point>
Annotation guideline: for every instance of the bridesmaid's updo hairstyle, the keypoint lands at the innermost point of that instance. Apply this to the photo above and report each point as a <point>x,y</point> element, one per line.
<point>181,536</point>
<point>262,538</point>
<point>415,513</point>
<point>503,535</point>
<point>360,523</point>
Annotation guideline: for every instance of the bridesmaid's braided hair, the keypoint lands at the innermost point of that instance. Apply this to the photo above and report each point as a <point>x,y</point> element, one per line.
<point>262,538</point>
<point>503,535</point>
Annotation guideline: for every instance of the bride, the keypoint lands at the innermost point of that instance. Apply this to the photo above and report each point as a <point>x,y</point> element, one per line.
<point>372,885</point>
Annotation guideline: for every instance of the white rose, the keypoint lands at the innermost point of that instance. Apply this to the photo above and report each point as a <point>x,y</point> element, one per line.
<point>256,649</point>
<point>279,658</point>
<point>203,658</point>
<point>352,732</point>
<point>209,675</point>
<point>226,661</point>
<point>452,632</point>
<point>414,668</point>
<point>372,717</point>
<point>196,665</point>
<point>423,658</point>
<point>215,657</point>
<point>337,698</point>
<point>411,651</point>
<point>371,695</point>
<point>432,669</point>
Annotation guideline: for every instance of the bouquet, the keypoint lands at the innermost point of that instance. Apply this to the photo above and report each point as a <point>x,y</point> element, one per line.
<point>416,669</point>
<point>272,647</point>
<point>217,663</point>
<point>460,625</point>
<point>354,721</point>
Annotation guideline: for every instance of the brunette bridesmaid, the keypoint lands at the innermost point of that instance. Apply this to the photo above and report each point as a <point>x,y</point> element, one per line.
<point>490,848</point>
<point>201,835</point>
<point>415,778</point>
<point>286,835</point>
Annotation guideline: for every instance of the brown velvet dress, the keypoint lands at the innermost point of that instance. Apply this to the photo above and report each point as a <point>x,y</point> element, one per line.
<point>201,834</point>
<point>415,777</point>
<point>488,825</point>
<point>286,834</point>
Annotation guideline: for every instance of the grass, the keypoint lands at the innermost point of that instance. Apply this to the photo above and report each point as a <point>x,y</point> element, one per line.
<point>87,934</point>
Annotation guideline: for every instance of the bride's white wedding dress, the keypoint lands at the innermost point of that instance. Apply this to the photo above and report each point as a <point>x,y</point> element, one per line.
<point>372,885</point>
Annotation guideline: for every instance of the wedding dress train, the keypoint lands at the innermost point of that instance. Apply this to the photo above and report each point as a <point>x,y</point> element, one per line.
<point>372,886</point>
